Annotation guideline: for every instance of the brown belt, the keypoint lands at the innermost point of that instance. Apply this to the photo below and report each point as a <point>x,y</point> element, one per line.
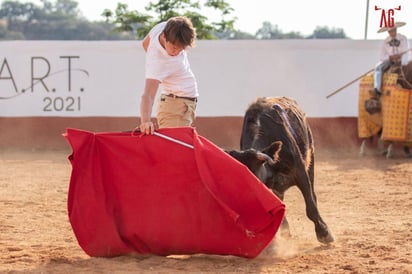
<point>194,99</point>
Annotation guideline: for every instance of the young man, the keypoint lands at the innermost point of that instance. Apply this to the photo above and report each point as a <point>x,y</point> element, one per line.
<point>167,67</point>
<point>392,48</point>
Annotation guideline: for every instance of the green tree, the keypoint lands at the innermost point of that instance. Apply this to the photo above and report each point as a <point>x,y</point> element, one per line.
<point>326,33</point>
<point>8,35</point>
<point>270,31</point>
<point>140,23</point>
<point>14,13</point>
<point>59,20</point>
<point>68,8</point>
<point>234,35</point>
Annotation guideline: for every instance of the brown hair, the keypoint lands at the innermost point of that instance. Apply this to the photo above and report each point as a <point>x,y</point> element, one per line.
<point>180,30</point>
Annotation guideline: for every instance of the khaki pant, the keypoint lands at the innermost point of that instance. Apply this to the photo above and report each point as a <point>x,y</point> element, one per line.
<point>175,112</point>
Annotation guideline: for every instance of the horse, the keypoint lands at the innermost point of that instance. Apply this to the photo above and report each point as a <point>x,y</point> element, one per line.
<point>374,104</point>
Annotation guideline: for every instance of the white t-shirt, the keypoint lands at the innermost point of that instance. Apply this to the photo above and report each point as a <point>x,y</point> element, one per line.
<point>173,72</point>
<point>390,48</point>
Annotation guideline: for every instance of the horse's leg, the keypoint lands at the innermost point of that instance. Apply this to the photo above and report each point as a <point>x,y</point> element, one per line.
<point>381,145</point>
<point>389,153</point>
<point>362,148</point>
<point>408,153</point>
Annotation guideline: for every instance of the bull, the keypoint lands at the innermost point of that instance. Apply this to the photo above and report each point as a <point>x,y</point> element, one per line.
<point>277,146</point>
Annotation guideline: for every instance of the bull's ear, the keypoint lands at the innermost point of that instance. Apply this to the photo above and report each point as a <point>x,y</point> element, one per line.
<point>273,150</point>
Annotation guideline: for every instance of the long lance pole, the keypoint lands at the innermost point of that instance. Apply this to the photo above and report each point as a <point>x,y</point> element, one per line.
<point>366,20</point>
<point>353,81</point>
<point>350,83</point>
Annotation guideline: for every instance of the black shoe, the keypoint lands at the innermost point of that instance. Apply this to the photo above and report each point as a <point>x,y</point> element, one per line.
<point>377,92</point>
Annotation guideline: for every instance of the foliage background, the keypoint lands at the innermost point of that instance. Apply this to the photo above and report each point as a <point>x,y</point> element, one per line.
<point>62,20</point>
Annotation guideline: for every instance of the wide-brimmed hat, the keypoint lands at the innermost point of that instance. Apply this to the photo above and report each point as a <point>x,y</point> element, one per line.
<point>396,25</point>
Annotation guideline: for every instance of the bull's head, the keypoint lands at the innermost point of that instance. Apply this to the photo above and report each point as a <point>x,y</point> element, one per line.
<point>264,165</point>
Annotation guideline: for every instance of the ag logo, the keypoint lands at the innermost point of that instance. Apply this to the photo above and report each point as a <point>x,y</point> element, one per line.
<point>387,17</point>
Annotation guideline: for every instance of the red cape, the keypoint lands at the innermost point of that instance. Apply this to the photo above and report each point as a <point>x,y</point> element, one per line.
<point>148,195</point>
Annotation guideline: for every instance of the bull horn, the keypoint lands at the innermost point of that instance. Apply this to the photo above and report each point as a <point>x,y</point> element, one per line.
<point>265,158</point>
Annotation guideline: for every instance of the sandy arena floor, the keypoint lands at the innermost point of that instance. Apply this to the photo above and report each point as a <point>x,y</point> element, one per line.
<point>366,201</point>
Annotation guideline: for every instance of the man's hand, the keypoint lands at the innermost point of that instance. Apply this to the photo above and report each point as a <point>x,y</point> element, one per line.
<point>147,128</point>
<point>395,57</point>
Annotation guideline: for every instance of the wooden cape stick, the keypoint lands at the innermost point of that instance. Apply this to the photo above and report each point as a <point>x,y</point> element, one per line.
<point>173,140</point>
<point>353,81</point>
<point>167,138</point>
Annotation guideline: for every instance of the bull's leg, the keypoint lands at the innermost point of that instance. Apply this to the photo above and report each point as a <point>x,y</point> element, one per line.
<point>311,174</point>
<point>321,228</point>
<point>322,231</point>
<point>284,226</point>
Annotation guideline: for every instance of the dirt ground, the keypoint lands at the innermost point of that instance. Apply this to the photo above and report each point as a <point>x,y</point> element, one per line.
<point>366,201</point>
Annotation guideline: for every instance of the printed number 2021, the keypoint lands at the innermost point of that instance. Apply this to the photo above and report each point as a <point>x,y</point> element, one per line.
<point>61,104</point>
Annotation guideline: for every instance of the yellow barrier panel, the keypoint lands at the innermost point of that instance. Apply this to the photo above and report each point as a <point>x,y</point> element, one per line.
<point>395,118</point>
<point>396,107</point>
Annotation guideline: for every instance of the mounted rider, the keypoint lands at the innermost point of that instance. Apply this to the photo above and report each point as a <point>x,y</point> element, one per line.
<point>392,51</point>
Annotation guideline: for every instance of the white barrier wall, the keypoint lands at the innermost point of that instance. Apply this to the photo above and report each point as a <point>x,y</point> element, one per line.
<point>83,79</point>
<point>75,78</point>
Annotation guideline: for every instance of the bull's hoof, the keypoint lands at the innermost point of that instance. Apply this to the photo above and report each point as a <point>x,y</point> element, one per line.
<point>327,239</point>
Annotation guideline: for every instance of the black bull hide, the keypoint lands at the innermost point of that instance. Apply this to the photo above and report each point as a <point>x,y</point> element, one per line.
<point>277,146</point>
